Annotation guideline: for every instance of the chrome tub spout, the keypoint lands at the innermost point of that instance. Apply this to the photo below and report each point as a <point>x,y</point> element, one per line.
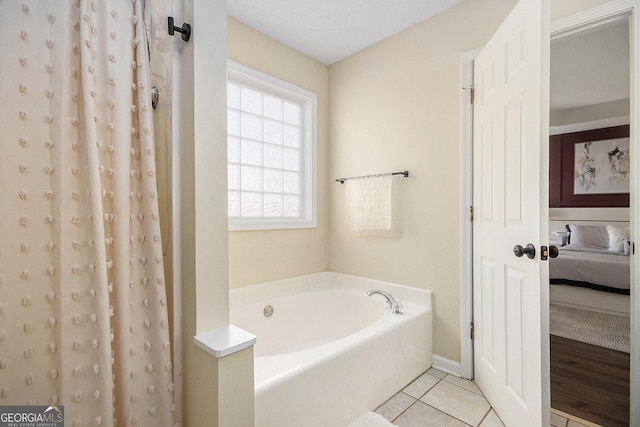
<point>395,306</point>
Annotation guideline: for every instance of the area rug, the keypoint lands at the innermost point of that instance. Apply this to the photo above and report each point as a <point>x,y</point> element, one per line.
<point>600,329</point>
<point>371,419</point>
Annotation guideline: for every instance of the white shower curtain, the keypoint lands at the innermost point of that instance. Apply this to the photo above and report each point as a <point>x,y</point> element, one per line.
<point>83,315</point>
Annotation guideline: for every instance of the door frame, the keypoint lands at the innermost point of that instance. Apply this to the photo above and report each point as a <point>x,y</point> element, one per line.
<point>574,23</point>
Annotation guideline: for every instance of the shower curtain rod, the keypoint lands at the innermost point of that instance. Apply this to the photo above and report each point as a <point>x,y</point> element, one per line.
<point>403,173</point>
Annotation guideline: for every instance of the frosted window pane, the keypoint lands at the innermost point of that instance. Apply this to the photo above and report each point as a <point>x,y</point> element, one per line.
<point>251,204</point>
<point>273,205</point>
<point>273,181</point>
<point>292,113</point>
<point>233,150</point>
<point>272,156</point>
<point>251,127</point>
<point>266,152</point>
<point>291,206</point>
<point>251,152</point>
<point>291,183</point>
<point>291,136</point>
<point>291,159</point>
<point>272,132</point>
<point>233,95</point>
<point>233,202</point>
<point>251,178</point>
<point>272,108</point>
<point>251,100</point>
<point>233,122</point>
<point>233,177</point>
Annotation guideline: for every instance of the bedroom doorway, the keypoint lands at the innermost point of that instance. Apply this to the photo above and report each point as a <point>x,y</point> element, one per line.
<point>566,26</point>
<point>589,309</point>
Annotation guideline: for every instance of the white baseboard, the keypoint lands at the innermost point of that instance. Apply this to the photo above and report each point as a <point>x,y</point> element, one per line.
<point>446,365</point>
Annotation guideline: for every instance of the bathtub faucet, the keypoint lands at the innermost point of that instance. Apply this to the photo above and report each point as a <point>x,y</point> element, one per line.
<point>395,306</point>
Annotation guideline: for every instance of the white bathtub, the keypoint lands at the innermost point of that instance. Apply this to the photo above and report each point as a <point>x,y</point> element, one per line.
<point>329,352</point>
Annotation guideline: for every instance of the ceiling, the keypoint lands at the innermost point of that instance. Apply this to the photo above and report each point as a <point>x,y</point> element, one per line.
<point>330,30</point>
<point>590,67</point>
<point>587,68</point>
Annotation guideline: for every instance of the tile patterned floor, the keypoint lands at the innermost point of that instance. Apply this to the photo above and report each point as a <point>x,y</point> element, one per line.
<point>437,399</point>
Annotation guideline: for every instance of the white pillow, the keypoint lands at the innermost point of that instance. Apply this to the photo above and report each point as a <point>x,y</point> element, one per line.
<point>617,236</point>
<point>557,238</point>
<point>594,235</point>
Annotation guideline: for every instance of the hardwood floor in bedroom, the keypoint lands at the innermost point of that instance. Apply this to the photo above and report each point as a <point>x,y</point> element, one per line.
<point>590,382</point>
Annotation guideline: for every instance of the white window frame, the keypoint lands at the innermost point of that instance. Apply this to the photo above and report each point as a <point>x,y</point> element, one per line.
<point>308,197</point>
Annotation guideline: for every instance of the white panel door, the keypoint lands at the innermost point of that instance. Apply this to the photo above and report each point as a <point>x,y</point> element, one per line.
<point>511,80</point>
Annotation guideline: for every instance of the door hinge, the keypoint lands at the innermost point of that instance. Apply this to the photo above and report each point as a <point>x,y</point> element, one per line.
<point>471,332</point>
<point>472,95</point>
<point>471,213</point>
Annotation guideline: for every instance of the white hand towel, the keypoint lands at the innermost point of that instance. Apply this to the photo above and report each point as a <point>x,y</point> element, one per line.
<point>371,206</point>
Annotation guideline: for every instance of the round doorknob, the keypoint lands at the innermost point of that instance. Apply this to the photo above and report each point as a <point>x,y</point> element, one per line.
<point>553,252</point>
<point>529,251</point>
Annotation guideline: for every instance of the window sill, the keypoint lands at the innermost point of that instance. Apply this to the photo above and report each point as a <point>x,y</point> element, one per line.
<point>248,225</point>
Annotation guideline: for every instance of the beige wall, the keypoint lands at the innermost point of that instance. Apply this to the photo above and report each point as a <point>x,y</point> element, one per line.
<point>564,8</point>
<point>396,106</point>
<point>258,256</point>
<point>392,106</point>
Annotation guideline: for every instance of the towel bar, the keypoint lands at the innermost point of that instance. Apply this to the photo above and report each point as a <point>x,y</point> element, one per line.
<point>403,173</point>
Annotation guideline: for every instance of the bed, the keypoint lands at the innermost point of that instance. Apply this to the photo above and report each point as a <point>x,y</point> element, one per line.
<point>592,270</point>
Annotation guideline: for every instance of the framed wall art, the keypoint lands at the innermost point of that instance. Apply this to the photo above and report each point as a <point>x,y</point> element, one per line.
<point>589,168</point>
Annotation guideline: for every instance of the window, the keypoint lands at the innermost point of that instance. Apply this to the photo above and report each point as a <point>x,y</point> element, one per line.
<point>271,152</point>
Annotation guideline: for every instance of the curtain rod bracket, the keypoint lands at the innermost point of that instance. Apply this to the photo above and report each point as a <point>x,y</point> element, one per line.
<point>185,30</point>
